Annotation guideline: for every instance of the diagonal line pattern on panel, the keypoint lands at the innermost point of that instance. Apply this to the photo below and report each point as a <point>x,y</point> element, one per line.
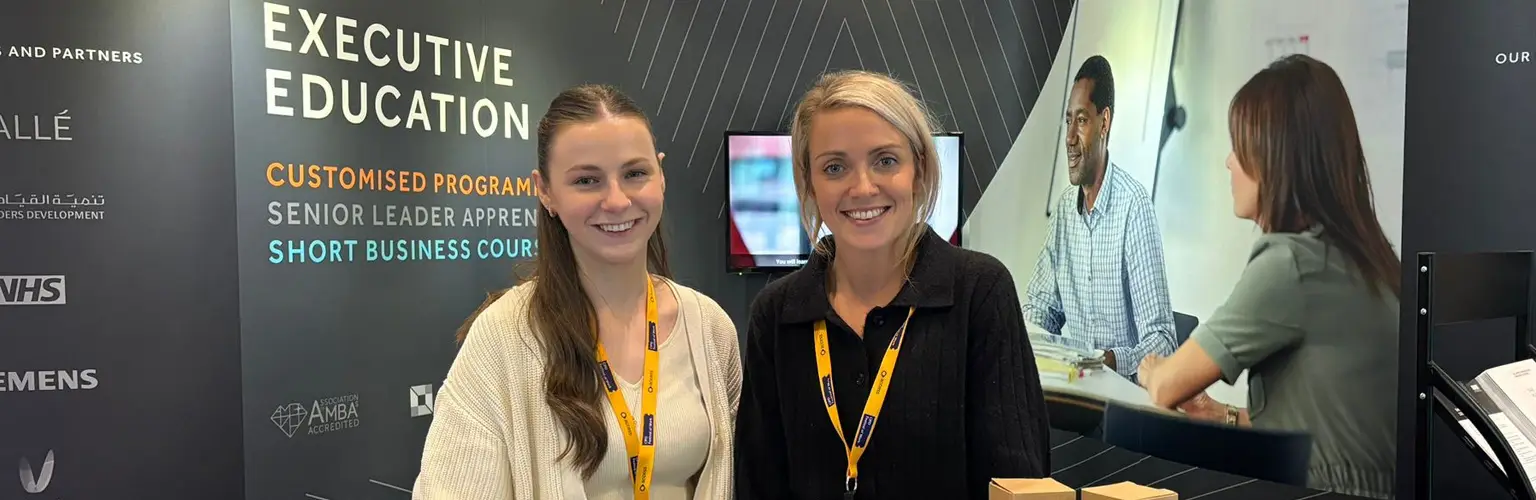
<point>639,29</point>
<point>731,118</point>
<point>659,38</point>
<point>679,58</point>
<point>1039,21</point>
<point>986,75</point>
<point>679,124</point>
<point>776,62</point>
<point>748,75</point>
<point>1010,118</point>
<point>620,20</point>
<point>840,27</point>
<point>903,41</point>
<point>876,33</point>
<point>966,84</point>
<point>1024,40</point>
<point>390,486</point>
<point>943,88</point>
<point>708,44</point>
<point>852,40</point>
<point>949,104</point>
<point>795,84</point>
<point>1061,27</point>
<point>711,107</point>
<point>1006,64</point>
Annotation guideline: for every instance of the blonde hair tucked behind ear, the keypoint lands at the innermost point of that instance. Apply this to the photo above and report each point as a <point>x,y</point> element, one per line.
<point>891,99</point>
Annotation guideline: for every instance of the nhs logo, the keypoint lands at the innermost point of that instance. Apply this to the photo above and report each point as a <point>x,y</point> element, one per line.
<point>32,290</point>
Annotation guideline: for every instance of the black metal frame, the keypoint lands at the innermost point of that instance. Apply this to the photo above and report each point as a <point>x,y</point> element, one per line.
<point>1456,288</point>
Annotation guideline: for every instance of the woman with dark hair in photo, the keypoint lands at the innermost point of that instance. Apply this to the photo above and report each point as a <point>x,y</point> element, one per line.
<point>598,377</point>
<point>826,410</point>
<point>1314,316</point>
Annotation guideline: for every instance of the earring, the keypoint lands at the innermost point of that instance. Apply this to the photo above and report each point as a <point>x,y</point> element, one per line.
<point>552,213</point>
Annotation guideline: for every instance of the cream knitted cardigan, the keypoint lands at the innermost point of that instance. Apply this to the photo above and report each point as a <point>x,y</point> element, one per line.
<point>493,436</point>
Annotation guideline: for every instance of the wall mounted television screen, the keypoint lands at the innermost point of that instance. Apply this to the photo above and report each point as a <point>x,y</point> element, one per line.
<point>764,213</point>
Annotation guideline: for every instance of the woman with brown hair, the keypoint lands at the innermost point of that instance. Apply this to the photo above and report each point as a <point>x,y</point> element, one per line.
<point>1314,316</point>
<point>598,377</point>
<point>826,410</point>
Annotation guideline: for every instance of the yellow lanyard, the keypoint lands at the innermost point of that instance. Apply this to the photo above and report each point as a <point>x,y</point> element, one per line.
<point>871,406</point>
<point>641,445</point>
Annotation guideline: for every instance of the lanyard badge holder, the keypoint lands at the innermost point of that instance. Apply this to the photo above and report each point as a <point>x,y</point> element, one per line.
<point>641,445</point>
<point>872,406</point>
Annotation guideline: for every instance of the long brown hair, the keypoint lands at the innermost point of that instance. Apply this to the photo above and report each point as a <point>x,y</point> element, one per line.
<point>1293,129</point>
<point>559,309</point>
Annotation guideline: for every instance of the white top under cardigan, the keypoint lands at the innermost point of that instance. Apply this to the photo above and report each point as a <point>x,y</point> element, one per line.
<point>682,431</point>
<point>494,438</point>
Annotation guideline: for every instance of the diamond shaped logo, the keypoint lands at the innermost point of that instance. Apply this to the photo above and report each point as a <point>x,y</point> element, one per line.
<point>423,400</point>
<point>289,417</point>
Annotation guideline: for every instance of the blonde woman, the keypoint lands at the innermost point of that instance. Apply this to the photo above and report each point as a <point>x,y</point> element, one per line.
<point>599,378</point>
<point>826,409</point>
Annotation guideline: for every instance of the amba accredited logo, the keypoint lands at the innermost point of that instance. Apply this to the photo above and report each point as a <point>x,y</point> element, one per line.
<point>32,290</point>
<point>320,416</point>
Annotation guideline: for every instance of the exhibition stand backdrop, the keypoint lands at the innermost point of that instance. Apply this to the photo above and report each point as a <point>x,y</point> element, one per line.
<point>1467,187</point>
<point>236,237</point>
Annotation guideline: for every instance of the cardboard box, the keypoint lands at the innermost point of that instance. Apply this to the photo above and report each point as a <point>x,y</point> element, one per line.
<point>1127,491</point>
<point>1030,489</point>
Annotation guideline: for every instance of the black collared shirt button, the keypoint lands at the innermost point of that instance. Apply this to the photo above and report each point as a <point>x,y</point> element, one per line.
<point>879,321</point>
<point>858,379</point>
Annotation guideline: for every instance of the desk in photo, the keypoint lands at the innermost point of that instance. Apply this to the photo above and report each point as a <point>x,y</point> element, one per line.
<point>1101,385</point>
<point>1078,406</point>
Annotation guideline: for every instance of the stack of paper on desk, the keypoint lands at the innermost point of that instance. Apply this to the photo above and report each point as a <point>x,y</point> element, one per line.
<point>1507,394</point>
<point>1063,358</point>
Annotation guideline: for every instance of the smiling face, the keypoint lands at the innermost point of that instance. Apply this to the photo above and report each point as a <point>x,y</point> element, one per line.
<point>603,182</point>
<point>862,172</point>
<point>1087,130</point>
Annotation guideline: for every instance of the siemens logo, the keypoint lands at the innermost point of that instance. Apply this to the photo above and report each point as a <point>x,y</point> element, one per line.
<point>48,380</point>
<point>36,483</point>
<point>32,290</point>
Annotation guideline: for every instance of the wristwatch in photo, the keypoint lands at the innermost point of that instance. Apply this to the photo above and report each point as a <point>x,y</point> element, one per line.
<point>1231,415</point>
